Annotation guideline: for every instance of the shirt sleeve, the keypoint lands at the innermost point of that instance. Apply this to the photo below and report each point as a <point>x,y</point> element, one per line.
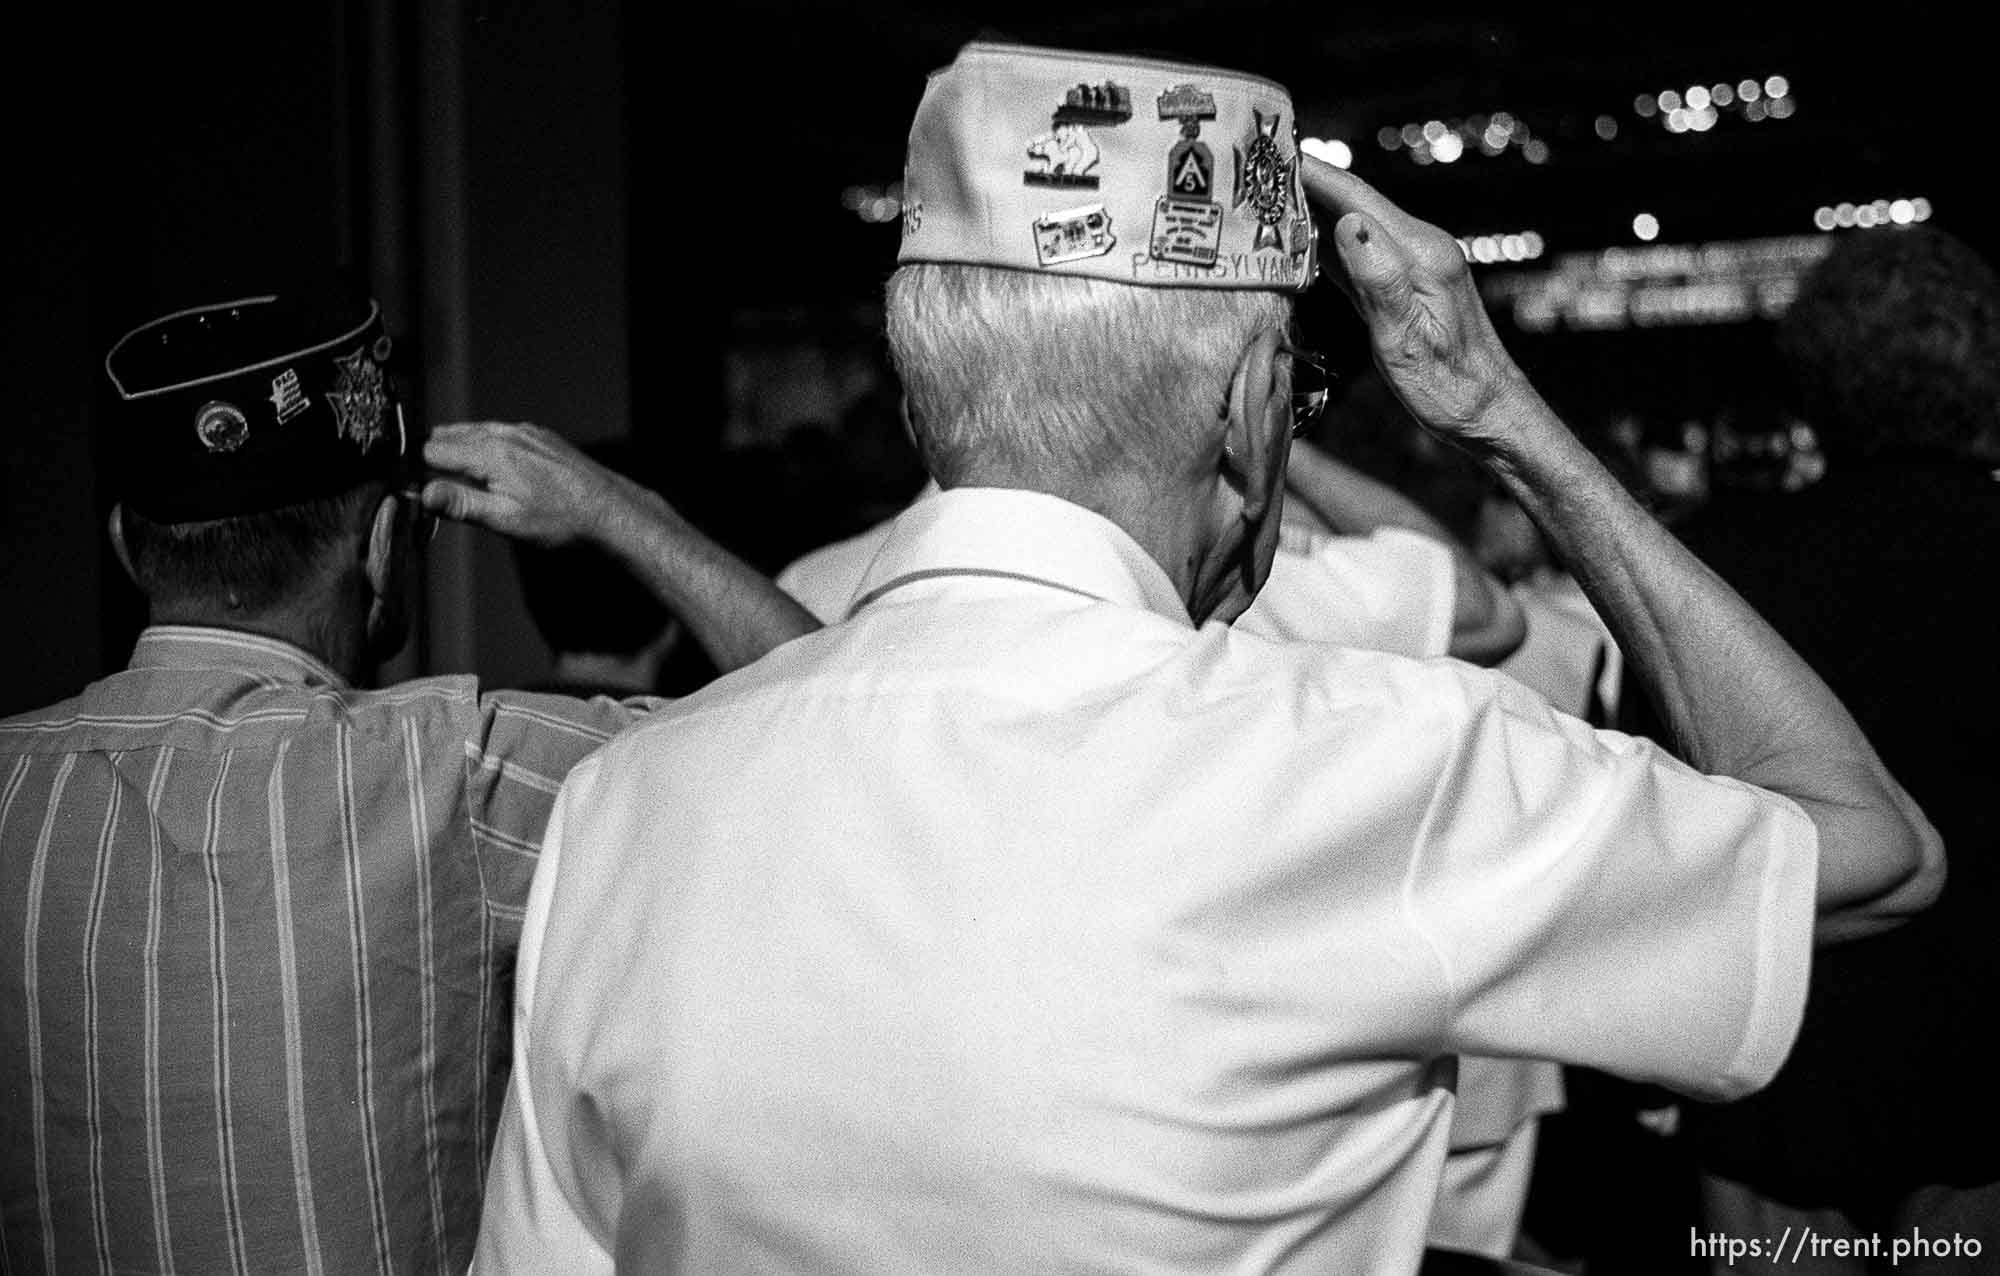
<point>813,589</point>
<point>522,747</point>
<point>533,1220</point>
<point>824,581</point>
<point>1640,918</point>
<point>1392,590</point>
<point>1560,657</point>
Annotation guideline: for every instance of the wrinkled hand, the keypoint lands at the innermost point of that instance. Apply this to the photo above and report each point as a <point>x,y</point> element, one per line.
<point>1412,287</point>
<point>521,480</point>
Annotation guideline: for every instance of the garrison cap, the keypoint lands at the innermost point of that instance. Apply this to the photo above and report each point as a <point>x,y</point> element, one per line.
<point>1130,169</point>
<point>250,405</point>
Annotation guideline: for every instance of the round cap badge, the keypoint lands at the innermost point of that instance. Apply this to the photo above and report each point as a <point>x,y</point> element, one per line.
<point>220,426</point>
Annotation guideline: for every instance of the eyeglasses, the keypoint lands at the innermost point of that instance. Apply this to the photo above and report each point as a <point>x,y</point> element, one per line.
<point>1312,383</point>
<point>423,523</point>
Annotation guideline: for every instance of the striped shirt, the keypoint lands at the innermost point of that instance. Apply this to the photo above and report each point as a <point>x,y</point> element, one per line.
<point>257,932</point>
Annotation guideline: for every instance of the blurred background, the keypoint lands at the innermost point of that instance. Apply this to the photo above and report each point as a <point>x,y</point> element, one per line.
<point>670,224</point>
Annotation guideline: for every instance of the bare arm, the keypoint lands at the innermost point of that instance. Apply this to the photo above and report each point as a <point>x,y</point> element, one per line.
<point>1738,701</point>
<point>529,482</point>
<point>1487,623</point>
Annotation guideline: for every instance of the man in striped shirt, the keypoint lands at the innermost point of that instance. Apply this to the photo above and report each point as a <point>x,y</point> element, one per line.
<point>257,922</point>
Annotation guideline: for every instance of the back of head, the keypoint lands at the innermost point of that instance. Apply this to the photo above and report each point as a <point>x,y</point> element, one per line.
<point>1045,374</point>
<point>1089,241</point>
<point>250,438</point>
<point>1893,345</point>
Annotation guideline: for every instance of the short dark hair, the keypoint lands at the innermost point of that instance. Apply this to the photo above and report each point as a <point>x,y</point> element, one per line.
<point>582,599</point>
<point>260,561</point>
<point>1893,343</point>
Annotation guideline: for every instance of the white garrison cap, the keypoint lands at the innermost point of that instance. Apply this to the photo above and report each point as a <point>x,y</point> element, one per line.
<point>1129,169</point>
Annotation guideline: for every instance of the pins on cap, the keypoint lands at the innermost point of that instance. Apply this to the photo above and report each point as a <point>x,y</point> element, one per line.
<point>253,404</point>
<point>1203,190</point>
<point>221,427</point>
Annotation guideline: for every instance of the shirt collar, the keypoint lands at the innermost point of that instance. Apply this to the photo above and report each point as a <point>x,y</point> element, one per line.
<point>254,655</point>
<point>1032,536</point>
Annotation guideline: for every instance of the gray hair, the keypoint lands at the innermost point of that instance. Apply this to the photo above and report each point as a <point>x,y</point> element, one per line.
<point>1059,374</point>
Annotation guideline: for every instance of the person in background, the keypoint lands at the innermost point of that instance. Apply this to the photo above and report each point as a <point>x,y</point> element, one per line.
<point>1495,1162</point>
<point>258,915</point>
<point>1565,652</point>
<point>1037,918</point>
<point>1881,1122</point>
<point>1357,563</point>
<point>607,632</point>
<point>1499,1103</point>
<point>1569,654</point>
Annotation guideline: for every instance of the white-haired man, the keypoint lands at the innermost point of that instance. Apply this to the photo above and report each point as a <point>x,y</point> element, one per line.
<point>1360,564</point>
<point>1029,921</point>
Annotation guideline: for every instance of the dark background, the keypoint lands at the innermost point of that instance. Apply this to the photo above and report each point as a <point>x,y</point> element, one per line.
<point>625,219</point>
<point>1890,98</point>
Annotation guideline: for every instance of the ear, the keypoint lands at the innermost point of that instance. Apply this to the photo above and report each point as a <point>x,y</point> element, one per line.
<point>1254,444</point>
<point>382,557</point>
<point>115,526</point>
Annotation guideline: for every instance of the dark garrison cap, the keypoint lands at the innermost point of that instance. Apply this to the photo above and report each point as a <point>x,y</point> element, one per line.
<point>249,405</point>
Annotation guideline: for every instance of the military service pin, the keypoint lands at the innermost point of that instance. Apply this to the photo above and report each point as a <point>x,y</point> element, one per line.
<point>1073,234</point>
<point>357,399</point>
<point>220,426</point>
<point>286,395</point>
<point>1187,223</point>
<point>1264,181</point>
<point>1067,152</point>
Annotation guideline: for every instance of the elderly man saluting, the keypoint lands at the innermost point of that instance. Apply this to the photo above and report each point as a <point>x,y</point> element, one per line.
<point>257,915</point>
<point>1031,919</point>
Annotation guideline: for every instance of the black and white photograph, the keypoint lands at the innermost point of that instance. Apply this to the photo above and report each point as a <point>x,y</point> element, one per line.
<point>942,639</point>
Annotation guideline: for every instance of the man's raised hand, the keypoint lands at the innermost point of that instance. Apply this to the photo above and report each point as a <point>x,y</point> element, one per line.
<point>521,480</point>
<point>1414,291</point>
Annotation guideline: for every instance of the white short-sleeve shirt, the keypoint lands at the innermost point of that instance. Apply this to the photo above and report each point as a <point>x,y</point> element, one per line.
<point>1390,590</point>
<point>1018,924</point>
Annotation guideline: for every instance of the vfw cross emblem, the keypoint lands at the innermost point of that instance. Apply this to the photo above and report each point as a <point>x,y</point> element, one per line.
<point>358,399</point>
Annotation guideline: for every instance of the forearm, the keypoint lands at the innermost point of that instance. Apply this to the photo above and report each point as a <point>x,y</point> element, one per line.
<point>528,482</point>
<point>734,611</point>
<point>1735,698</point>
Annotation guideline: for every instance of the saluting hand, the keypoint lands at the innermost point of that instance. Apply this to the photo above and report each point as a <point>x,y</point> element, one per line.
<point>521,480</point>
<point>1414,290</point>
